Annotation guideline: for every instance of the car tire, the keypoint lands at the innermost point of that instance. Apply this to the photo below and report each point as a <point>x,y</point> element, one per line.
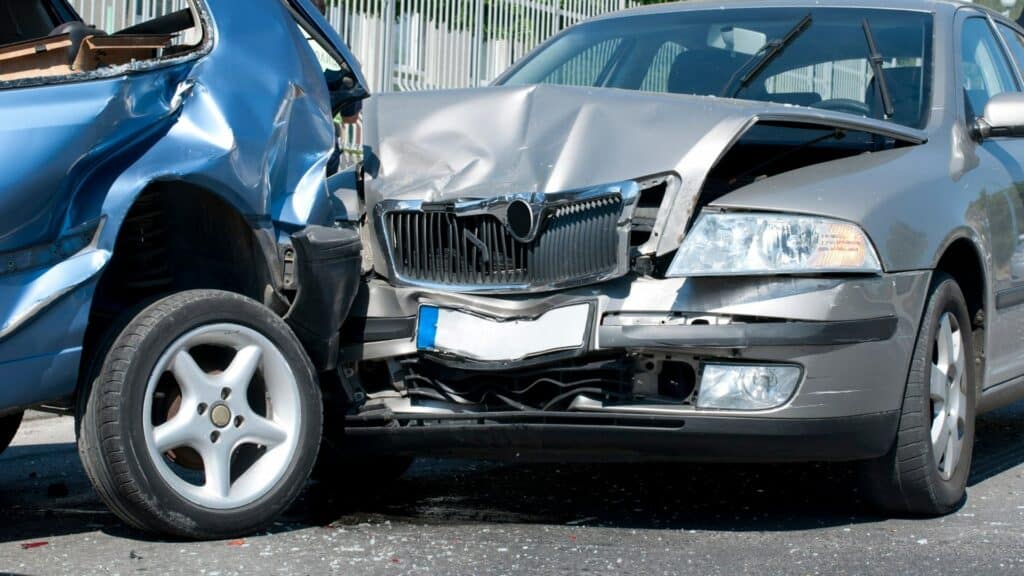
<point>205,419</point>
<point>92,363</point>
<point>925,472</point>
<point>9,429</point>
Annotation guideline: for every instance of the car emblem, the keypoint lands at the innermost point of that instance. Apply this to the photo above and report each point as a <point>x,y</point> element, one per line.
<point>521,221</point>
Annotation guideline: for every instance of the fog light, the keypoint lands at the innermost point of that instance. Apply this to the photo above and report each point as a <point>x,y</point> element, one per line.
<point>740,387</point>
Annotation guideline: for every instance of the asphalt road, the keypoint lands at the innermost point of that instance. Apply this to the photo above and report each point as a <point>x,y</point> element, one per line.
<point>482,518</point>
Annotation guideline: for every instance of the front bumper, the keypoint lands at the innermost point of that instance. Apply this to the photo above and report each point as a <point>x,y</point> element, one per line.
<point>625,438</point>
<point>853,337</point>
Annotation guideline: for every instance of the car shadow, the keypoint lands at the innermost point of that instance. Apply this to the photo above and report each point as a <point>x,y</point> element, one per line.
<point>647,496</point>
<point>999,443</point>
<point>640,496</point>
<point>44,493</point>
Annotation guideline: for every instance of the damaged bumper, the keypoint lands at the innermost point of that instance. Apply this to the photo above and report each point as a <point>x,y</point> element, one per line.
<point>482,329</point>
<point>625,438</point>
<point>851,339</point>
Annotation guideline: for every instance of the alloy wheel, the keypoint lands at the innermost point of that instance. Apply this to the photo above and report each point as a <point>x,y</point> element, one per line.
<point>948,395</point>
<point>222,416</point>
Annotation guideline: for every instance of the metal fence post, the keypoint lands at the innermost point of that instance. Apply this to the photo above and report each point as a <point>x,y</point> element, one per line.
<point>478,43</point>
<point>388,47</point>
<point>449,43</point>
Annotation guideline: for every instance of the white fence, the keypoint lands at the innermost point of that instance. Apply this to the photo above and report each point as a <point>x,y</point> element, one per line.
<point>413,44</point>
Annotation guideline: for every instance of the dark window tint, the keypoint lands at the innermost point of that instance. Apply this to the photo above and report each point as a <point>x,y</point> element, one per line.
<point>984,69</point>
<point>25,20</point>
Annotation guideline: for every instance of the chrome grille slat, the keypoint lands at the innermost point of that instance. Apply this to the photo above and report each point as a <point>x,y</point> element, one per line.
<point>577,242</point>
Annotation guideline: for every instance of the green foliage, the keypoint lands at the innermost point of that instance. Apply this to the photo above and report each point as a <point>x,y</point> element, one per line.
<point>998,6</point>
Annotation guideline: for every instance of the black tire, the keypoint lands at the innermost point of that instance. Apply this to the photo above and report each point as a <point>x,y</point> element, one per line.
<point>113,445</point>
<point>97,356</point>
<point>907,480</point>
<point>9,429</point>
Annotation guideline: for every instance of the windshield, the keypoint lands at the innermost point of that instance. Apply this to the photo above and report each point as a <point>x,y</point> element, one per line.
<point>818,57</point>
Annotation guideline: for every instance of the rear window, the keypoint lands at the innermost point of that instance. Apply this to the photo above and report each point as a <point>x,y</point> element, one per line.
<point>826,63</point>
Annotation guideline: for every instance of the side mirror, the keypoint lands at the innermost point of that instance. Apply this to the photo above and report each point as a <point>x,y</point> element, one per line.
<point>1004,116</point>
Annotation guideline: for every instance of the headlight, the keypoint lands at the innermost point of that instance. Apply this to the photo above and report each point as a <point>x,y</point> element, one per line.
<point>739,244</point>
<point>739,387</point>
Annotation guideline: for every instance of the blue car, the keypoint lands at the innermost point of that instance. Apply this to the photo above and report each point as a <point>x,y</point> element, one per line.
<point>172,269</point>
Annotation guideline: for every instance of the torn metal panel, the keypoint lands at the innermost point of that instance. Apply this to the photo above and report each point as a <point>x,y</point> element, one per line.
<point>485,143</point>
<point>83,147</point>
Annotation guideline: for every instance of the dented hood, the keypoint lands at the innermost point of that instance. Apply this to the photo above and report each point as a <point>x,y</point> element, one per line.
<point>486,142</point>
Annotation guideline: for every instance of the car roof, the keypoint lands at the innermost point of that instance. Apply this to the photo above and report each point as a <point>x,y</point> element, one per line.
<point>703,5</point>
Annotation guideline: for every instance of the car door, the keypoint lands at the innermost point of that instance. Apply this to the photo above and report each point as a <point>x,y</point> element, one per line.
<point>61,129</point>
<point>985,70</point>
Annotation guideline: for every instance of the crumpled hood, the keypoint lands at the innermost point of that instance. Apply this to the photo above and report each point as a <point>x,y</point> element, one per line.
<point>487,142</point>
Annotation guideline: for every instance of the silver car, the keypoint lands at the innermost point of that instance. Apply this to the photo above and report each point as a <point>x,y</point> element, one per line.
<point>757,231</point>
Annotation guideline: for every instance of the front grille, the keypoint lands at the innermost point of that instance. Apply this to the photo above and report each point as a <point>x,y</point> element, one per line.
<point>577,242</point>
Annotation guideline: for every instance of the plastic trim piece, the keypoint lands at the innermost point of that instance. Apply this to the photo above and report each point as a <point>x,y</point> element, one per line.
<point>1010,297</point>
<point>749,335</point>
<point>327,262</point>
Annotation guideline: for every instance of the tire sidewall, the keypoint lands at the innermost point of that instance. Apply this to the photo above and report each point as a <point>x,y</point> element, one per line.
<point>212,308</point>
<point>946,298</point>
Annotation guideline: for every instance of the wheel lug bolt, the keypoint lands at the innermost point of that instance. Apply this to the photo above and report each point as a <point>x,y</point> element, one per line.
<point>225,393</point>
<point>238,421</point>
<point>202,408</point>
<point>214,436</point>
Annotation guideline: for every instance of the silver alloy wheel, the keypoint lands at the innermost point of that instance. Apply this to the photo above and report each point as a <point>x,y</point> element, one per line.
<point>948,395</point>
<point>215,419</point>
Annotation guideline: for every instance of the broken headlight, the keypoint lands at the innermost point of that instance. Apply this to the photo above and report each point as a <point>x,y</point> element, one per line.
<point>737,244</point>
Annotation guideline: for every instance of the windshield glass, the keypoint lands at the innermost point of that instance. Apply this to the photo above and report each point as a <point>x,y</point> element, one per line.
<point>815,57</point>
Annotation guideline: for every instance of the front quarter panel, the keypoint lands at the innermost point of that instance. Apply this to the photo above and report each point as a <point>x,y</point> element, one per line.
<point>909,212</point>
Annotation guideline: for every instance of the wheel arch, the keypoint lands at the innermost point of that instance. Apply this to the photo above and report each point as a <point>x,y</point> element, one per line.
<point>176,235</point>
<point>962,259</point>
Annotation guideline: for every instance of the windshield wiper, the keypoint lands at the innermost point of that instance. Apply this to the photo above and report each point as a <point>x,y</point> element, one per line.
<point>876,65</point>
<point>770,51</point>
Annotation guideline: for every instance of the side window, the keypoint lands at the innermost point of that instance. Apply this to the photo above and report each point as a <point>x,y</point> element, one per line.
<point>1016,43</point>
<point>39,40</point>
<point>585,68</point>
<point>342,83</point>
<point>329,64</point>
<point>984,69</point>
